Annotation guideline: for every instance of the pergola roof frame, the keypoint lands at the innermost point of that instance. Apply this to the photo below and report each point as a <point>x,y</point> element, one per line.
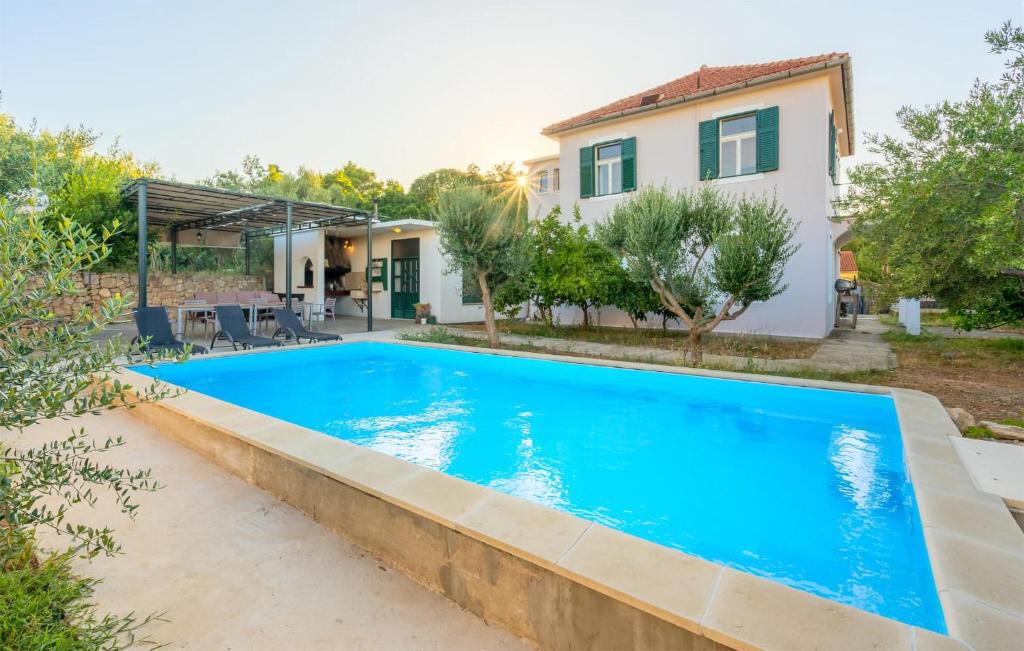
<point>184,206</point>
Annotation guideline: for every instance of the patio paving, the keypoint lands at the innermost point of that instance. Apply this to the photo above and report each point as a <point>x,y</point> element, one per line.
<point>234,568</point>
<point>347,326</point>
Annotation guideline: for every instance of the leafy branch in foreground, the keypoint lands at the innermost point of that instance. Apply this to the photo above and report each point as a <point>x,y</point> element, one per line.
<point>51,367</point>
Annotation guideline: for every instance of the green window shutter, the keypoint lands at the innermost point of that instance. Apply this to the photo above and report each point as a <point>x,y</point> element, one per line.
<point>832,146</point>
<point>768,139</point>
<point>708,136</point>
<point>629,164</point>
<point>586,172</point>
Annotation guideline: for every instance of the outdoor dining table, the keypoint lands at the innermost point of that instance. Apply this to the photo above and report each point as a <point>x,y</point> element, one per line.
<point>303,309</point>
<point>201,308</point>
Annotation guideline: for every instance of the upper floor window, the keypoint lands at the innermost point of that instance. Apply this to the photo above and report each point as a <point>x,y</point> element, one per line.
<point>741,144</point>
<point>542,182</point>
<point>556,180</point>
<point>738,142</point>
<point>609,169</point>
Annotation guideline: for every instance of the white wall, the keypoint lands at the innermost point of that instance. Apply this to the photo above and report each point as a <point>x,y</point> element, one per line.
<point>667,152</point>
<point>443,291</point>
<point>306,244</point>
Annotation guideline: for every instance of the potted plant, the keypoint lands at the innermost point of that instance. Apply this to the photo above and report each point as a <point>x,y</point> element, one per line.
<point>422,312</point>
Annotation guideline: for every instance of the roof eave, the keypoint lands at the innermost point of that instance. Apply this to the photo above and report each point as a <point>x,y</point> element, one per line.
<point>693,97</point>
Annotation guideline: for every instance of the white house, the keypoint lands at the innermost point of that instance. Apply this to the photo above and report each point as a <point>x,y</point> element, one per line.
<point>774,127</point>
<point>408,268</point>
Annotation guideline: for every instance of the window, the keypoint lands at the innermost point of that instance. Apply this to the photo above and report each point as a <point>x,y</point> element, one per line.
<point>556,180</point>
<point>738,143</point>
<point>609,168</point>
<point>741,144</point>
<point>470,291</point>
<point>542,182</point>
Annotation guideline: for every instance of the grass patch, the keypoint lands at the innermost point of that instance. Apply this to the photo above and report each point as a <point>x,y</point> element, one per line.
<point>1016,422</point>
<point>44,604</point>
<point>983,376</point>
<point>978,432</point>
<point>441,335</point>
<point>674,340</point>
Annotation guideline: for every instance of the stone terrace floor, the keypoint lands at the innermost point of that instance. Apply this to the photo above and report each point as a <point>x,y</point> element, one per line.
<point>234,568</point>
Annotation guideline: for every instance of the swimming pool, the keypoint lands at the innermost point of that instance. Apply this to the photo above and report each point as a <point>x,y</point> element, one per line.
<point>806,487</point>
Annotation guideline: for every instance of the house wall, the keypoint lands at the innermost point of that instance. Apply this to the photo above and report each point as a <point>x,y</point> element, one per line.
<point>305,245</point>
<point>442,290</point>
<point>667,152</point>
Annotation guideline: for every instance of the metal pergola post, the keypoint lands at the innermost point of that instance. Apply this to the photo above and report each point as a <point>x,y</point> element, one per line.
<point>174,250</point>
<point>248,255</point>
<point>369,269</point>
<point>288,256</point>
<point>143,227</point>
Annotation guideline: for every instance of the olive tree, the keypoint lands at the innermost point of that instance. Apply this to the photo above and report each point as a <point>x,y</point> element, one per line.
<point>485,238</point>
<point>51,367</point>
<point>941,211</point>
<point>707,256</point>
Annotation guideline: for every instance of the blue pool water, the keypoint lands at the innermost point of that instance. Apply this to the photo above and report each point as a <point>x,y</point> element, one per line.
<point>806,487</point>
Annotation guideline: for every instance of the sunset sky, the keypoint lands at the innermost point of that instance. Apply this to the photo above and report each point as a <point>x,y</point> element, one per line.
<point>407,87</point>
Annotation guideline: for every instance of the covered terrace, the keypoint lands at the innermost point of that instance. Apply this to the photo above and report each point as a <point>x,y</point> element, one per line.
<point>214,216</point>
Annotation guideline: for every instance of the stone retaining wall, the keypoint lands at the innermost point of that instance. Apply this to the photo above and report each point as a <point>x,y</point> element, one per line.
<point>164,288</point>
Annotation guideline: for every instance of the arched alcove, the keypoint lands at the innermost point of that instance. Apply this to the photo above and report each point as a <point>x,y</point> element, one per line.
<point>307,272</point>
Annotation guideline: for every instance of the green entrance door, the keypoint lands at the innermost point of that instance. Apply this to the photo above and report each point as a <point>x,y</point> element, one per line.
<point>405,287</point>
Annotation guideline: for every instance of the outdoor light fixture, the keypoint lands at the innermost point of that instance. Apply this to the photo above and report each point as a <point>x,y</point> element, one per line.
<point>397,229</point>
<point>199,237</point>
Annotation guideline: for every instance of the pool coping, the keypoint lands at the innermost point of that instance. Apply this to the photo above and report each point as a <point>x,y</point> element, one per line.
<point>975,548</point>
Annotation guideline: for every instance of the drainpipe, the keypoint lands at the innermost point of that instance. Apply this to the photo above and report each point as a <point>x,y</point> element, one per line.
<point>369,269</point>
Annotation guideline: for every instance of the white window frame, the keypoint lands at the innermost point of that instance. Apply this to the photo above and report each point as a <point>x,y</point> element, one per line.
<point>736,137</point>
<point>556,179</point>
<point>609,163</point>
<point>542,182</point>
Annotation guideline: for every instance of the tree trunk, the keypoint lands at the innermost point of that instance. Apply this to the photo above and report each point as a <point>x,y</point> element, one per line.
<point>586,317</point>
<point>696,352</point>
<point>485,295</point>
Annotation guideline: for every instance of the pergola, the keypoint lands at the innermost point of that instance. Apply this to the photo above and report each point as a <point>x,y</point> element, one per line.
<point>185,207</point>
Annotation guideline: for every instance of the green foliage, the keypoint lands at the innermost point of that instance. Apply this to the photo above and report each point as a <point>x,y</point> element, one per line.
<point>44,605</point>
<point>943,214</point>
<point>699,249</point>
<point>436,335</point>
<point>426,189</point>
<point>357,187</point>
<point>51,367</point>
<point>75,179</point>
<point>570,267</point>
<point>482,236</point>
<point>978,432</point>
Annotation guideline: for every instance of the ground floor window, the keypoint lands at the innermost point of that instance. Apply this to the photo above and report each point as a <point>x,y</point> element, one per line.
<point>471,291</point>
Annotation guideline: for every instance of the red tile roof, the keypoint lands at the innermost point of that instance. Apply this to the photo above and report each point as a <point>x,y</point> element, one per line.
<point>705,80</point>
<point>847,263</point>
